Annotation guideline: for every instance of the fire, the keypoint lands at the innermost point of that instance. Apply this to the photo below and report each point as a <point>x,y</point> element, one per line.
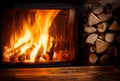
<point>43,22</point>
<point>33,35</point>
<point>31,40</point>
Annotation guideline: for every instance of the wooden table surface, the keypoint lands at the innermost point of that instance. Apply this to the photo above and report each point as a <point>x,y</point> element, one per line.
<point>81,73</point>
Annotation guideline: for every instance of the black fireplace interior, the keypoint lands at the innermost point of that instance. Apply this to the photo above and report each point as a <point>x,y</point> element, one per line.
<point>72,42</point>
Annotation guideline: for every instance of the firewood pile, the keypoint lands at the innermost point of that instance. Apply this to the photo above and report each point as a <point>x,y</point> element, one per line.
<point>101,32</point>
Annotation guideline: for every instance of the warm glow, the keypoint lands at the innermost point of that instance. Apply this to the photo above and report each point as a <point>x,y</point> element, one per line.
<point>31,42</point>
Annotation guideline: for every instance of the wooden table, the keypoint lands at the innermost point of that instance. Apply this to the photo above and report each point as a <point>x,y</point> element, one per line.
<point>81,73</point>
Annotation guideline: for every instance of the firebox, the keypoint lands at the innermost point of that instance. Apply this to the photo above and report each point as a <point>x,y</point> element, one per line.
<point>40,34</point>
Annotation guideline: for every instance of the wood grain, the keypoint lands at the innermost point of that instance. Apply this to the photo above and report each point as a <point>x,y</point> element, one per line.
<point>81,73</point>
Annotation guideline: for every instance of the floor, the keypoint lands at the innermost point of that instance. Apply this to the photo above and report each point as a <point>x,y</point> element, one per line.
<point>81,73</point>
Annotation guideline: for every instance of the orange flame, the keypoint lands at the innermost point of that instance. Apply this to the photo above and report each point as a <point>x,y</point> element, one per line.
<point>33,36</point>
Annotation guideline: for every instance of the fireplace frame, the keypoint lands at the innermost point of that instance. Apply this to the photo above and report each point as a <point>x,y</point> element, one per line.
<point>50,5</point>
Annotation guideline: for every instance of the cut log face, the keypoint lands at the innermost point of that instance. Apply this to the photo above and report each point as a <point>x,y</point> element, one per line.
<point>92,19</point>
<point>92,49</point>
<point>114,26</point>
<point>102,27</point>
<point>115,3</point>
<point>90,29</point>
<point>109,37</point>
<point>102,36</point>
<point>105,2</point>
<point>104,17</point>
<point>93,58</point>
<point>105,59</point>
<point>97,8</point>
<point>22,57</point>
<point>112,51</point>
<point>92,38</point>
<point>101,46</point>
<point>109,8</point>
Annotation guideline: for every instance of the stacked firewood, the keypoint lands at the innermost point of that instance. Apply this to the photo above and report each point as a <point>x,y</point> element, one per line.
<point>100,30</point>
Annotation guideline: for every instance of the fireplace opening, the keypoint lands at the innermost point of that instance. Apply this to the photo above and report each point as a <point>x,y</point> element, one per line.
<point>47,34</point>
<point>38,36</point>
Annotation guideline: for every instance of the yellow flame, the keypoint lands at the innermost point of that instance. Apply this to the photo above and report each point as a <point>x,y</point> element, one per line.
<point>43,23</point>
<point>36,34</point>
<point>23,39</point>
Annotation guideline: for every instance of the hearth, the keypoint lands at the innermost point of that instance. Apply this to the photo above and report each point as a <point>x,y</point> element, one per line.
<point>40,34</point>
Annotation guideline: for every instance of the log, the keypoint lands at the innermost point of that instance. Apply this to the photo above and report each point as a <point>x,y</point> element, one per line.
<point>15,50</point>
<point>104,59</point>
<point>93,58</point>
<point>21,57</point>
<point>14,58</point>
<point>44,58</point>
<point>58,56</point>
<point>114,26</point>
<point>102,27</point>
<point>90,29</point>
<point>104,16</point>
<point>101,36</point>
<point>101,46</point>
<point>92,49</point>
<point>109,37</point>
<point>97,8</point>
<point>112,51</point>
<point>115,3</point>
<point>92,19</point>
<point>108,8</point>
<point>92,38</point>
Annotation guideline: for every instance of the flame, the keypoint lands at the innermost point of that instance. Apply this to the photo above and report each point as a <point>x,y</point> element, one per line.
<point>43,22</point>
<point>32,36</point>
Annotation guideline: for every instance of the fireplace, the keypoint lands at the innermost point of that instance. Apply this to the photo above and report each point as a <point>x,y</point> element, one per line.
<point>37,34</point>
<point>61,34</point>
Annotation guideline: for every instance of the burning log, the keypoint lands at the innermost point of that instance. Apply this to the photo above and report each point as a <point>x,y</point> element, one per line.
<point>92,38</point>
<point>28,51</point>
<point>14,58</point>
<point>92,19</point>
<point>45,58</point>
<point>16,54</point>
<point>21,57</point>
<point>48,56</point>
<point>58,56</point>
<point>64,55</point>
<point>15,50</point>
